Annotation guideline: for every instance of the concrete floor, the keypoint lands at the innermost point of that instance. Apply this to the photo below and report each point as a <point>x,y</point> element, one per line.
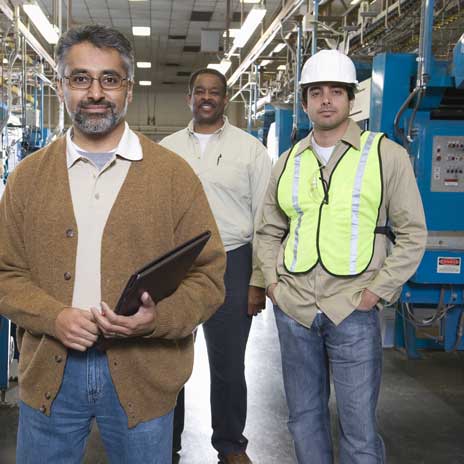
<point>421,410</point>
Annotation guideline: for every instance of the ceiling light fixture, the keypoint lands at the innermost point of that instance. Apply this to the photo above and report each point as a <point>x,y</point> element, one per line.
<point>143,64</point>
<point>250,1</point>
<point>279,47</point>
<point>354,2</point>
<point>144,83</point>
<point>264,63</point>
<point>222,67</point>
<point>232,33</point>
<point>41,22</point>
<point>249,26</point>
<point>141,30</point>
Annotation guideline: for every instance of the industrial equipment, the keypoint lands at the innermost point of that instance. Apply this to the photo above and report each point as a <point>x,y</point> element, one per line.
<point>418,101</point>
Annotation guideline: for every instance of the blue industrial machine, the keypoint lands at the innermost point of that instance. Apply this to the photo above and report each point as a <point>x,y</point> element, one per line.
<point>5,356</point>
<point>418,102</point>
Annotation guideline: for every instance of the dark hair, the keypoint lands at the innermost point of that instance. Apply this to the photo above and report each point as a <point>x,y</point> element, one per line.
<point>214,72</point>
<point>304,91</point>
<point>99,36</point>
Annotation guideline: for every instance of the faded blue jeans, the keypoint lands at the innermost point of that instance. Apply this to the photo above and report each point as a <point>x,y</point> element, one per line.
<point>352,353</point>
<point>87,392</point>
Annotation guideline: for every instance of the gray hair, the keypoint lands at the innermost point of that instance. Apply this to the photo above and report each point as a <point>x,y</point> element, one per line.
<point>99,36</point>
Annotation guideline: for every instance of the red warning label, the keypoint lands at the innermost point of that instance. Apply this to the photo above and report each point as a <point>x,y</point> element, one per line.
<point>448,265</point>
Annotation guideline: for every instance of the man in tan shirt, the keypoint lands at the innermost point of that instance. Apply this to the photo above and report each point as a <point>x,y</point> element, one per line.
<point>342,229</point>
<point>234,169</point>
<point>76,220</point>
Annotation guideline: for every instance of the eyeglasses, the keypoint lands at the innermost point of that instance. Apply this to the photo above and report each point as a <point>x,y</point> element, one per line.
<point>83,81</point>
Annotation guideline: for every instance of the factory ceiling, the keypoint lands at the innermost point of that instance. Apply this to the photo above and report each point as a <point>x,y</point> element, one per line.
<point>178,27</point>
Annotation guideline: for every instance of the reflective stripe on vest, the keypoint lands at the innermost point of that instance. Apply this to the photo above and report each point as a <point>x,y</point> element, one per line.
<point>332,223</point>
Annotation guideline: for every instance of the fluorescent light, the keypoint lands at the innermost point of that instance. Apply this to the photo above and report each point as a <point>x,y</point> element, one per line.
<point>41,22</point>
<point>143,64</point>
<point>232,33</point>
<point>252,21</point>
<point>250,1</point>
<point>265,62</point>
<point>141,30</point>
<point>144,83</point>
<point>5,61</point>
<point>281,67</point>
<point>279,47</point>
<point>354,2</point>
<point>222,67</point>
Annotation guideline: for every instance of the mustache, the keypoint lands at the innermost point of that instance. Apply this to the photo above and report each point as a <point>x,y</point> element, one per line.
<point>90,103</point>
<point>208,102</point>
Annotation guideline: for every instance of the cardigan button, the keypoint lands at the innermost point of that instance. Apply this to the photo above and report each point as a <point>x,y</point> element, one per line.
<point>69,233</point>
<point>48,395</point>
<point>43,409</point>
<point>67,276</point>
<point>58,358</point>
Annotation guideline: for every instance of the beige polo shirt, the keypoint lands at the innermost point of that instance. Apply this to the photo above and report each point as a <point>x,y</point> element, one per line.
<point>93,193</point>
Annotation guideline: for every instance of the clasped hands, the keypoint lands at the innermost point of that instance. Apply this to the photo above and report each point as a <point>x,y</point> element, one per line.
<point>79,329</point>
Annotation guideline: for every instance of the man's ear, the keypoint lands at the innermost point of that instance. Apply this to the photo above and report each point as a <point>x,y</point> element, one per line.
<point>59,89</point>
<point>351,105</point>
<point>188,100</point>
<point>130,91</point>
<point>304,106</point>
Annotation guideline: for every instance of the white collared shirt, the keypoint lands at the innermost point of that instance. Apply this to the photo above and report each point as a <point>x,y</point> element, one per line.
<point>93,194</point>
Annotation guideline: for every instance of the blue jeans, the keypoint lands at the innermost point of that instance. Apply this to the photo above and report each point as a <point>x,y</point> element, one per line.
<point>87,392</point>
<point>352,353</point>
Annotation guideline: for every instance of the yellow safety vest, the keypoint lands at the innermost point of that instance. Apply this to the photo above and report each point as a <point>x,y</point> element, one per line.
<point>332,221</point>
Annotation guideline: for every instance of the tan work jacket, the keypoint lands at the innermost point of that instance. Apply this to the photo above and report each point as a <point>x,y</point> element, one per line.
<point>301,295</point>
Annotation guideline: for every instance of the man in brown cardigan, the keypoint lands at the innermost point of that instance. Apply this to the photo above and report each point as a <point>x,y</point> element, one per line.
<point>76,219</point>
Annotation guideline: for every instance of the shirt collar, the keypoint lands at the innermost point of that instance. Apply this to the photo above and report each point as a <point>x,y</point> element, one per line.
<point>226,124</point>
<point>352,136</point>
<point>129,147</point>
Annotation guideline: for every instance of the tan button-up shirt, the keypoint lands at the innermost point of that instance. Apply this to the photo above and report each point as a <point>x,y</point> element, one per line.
<point>301,295</point>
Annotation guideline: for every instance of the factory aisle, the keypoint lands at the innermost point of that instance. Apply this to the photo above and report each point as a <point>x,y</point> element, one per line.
<point>421,411</point>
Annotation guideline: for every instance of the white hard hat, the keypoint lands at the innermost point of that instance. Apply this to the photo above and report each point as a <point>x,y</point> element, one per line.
<point>328,66</point>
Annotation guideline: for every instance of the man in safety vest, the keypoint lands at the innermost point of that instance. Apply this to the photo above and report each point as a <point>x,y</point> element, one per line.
<point>342,229</point>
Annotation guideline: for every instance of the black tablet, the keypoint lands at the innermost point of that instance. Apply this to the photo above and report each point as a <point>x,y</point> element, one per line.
<point>161,277</point>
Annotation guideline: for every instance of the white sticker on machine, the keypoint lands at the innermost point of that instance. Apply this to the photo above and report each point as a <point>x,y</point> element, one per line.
<point>448,265</point>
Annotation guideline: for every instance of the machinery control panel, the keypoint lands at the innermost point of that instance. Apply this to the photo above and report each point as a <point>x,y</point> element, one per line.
<point>447,164</point>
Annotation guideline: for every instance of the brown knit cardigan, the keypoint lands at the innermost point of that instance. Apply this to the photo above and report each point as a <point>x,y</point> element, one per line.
<point>160,205</point>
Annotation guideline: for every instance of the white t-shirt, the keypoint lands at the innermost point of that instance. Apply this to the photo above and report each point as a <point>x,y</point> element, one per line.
<point>323,152</point>
<point>203,139</point>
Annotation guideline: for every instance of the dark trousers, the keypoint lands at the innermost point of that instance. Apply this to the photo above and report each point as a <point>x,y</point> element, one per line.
<point>226,335</point>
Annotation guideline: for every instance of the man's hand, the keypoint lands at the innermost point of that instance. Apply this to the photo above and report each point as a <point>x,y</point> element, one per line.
<point>139,324</point>
<point>256,300</point>
<point>368,300</point>
<point>76,329</point>
<point>270,293</point>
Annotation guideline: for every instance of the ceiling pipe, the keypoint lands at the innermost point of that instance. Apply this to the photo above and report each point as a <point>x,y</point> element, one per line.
<point>315,23</point>
<point>69,15</point>
<point>264,40</point>
<point>30,39</point>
